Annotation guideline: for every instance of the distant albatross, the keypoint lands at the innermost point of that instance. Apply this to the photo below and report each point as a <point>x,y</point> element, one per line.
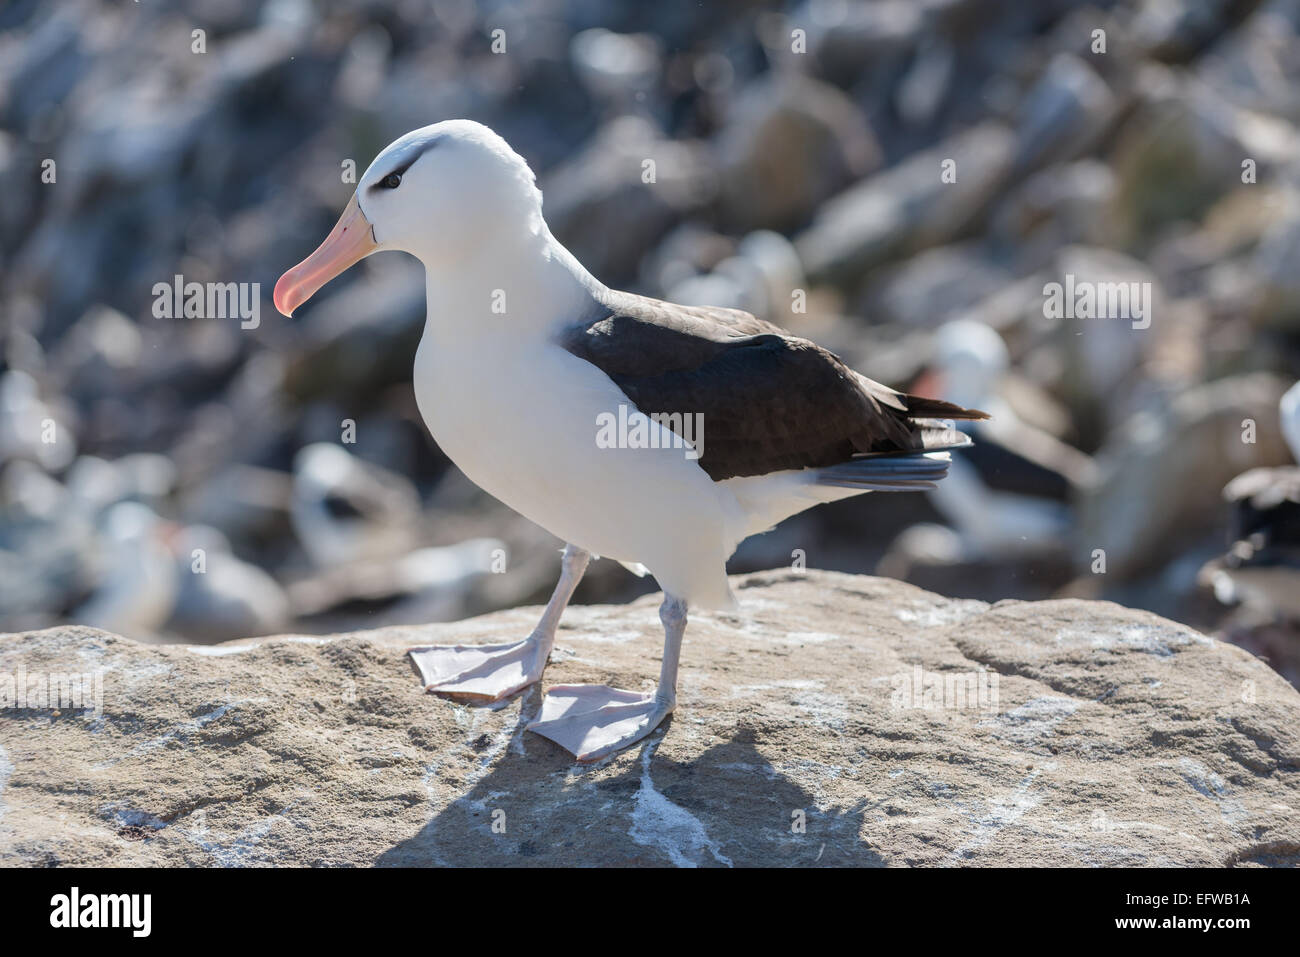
<point>526,360</point>
<point>1262,567</point>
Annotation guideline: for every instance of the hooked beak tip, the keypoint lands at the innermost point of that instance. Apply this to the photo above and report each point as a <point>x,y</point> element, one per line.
<point>351,240</point>
<point>282,297</point>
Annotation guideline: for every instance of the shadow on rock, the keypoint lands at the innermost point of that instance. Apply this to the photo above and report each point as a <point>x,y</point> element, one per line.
<point>728,807</point>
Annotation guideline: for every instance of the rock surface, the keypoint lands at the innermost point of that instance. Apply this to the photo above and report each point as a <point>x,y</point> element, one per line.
<point>1113,737</point>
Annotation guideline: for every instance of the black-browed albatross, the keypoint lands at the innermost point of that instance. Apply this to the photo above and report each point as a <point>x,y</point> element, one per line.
<point>525,361</point>
<point>1262,567</point>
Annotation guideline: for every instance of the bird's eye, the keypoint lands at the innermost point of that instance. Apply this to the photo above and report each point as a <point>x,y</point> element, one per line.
<point>391,181</point>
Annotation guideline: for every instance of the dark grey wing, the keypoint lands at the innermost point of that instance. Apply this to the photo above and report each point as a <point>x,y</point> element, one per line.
<point>770,401</point>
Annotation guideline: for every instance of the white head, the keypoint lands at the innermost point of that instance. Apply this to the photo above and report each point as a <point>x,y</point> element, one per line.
<point>1290,408</point>
<point>440,193</point>
<point>971,357</point>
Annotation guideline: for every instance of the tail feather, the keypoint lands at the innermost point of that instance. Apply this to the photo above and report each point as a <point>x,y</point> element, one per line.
<point>923,407</point>
<point>889,471</point>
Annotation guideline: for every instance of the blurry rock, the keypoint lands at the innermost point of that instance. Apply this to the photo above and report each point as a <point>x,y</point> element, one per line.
<point>1064,115</point>
<point>1059,205</point>
<point>1017,303</point>
<point>347,510</point>
<point>907,207</point>
<point>931,556</point>
<point>364,67</point>
<point>95,484</point>
<point>1184,148</point>
<point>1099,307</point>
<point>428,584</point>
<point>778,271</point>
<point>137,587</point>
<point>788,144</point>
<point>922,88</point>
<point>246,502</point>
<point>1273,274</point>
<point>46,547</point>
<point>147,476</point>
<point>849,38</point>
<point>360,338</point>
<point>923,543</point>
<point>26,490</point>
<point>29,427</point>
<point>1163,472</point>
<point>1177,30</point>
<point>761,278</point>
<point>928,288</point>
<point>729,288</point>
<point>688,250</point>
<point>602,205</point>
<point>616,66</point>
<point>97,353</point>
<point>221,597</point>
<point>1254,64</point>
<point>1187,260</point>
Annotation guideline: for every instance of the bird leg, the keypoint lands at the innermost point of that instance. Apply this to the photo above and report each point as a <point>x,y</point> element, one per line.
<point>490,672</point>
<point>592,721</point>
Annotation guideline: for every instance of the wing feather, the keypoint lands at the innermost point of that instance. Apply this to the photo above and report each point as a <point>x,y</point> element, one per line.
<point>769,400</point>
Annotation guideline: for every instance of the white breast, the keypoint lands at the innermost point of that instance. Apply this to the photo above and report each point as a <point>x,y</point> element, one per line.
<point>521,421</point>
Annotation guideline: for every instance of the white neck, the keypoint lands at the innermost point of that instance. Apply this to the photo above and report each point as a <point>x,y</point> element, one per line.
<point>511,292</point>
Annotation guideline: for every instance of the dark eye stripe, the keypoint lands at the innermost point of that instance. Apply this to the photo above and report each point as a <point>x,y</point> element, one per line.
<point>393,179</point>
<point>401,170</point>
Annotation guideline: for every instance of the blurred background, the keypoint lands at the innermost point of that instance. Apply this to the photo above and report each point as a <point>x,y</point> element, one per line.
<point>901,180</point>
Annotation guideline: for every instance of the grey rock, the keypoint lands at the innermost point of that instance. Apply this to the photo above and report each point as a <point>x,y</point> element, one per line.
<point>932,286</point>
<point>1062,204</point>
<point>1274,279</point>
<point>788,144</point>
<point>606,183</point>
<point>1114,738</point>
<point>907,207</point>
<point>1064,114</point>
<point>1183,149</point>
<point>616,66</point>
<point>1101,352</point>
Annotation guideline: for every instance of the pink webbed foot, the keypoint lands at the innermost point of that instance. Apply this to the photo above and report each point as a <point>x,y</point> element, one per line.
<point>481,672</point>
<point>592,721</point>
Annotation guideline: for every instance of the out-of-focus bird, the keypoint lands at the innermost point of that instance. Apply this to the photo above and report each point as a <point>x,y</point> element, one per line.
<point>137,591</point>
<point>347,510</point>
<point>220,596</point>
<point>1261,569</point>
<point>30,428</point>
<point>1011,491</point>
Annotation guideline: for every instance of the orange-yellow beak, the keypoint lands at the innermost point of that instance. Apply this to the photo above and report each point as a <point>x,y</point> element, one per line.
<point>350,241</point>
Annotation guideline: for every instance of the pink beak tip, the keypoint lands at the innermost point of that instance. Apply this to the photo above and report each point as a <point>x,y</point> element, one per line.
<point>281,298</point>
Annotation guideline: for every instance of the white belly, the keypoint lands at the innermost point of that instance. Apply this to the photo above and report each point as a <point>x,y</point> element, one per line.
<point>523,426</point>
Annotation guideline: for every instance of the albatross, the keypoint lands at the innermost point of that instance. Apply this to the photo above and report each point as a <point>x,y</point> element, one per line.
<point>726,423</point>
<point>1262,567</point>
